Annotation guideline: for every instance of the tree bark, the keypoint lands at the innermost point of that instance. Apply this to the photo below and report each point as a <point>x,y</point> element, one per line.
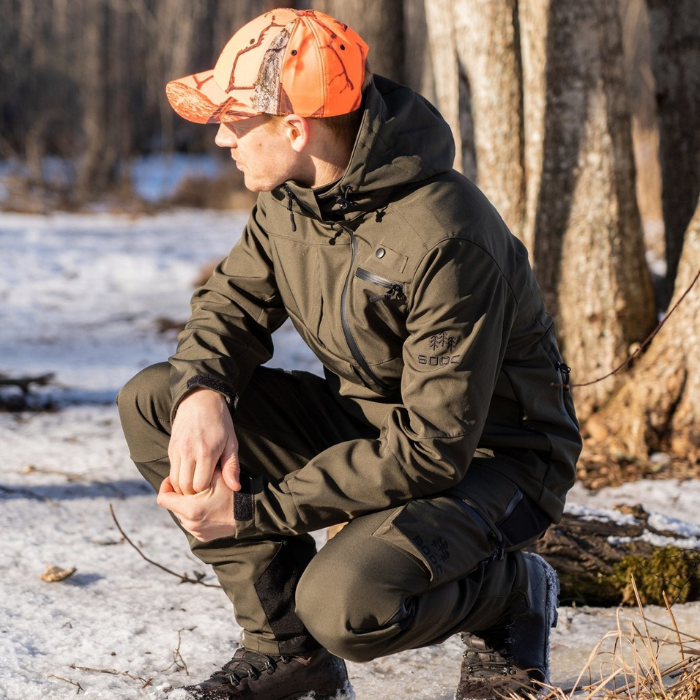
<point>417,63</point>
<point>658,407</point>
<point>553,152</point>
<point>675,34</point>
<point>582,219</point>
<point>452,89</point>
<point>94,116</point>
<point>486,41</point>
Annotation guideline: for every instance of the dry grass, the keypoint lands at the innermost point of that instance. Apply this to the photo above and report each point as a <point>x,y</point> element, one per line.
<point>626,663</point>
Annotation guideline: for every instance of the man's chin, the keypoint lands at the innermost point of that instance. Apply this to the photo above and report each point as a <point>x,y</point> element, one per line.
<point>253,186</point>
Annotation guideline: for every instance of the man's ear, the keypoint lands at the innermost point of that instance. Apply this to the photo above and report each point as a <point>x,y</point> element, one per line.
<point>298,131</point>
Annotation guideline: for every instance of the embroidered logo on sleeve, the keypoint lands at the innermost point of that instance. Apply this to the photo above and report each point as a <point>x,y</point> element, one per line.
<point>439,343</point>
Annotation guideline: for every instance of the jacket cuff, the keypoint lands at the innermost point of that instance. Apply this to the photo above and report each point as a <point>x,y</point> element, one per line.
<point>206,381</point>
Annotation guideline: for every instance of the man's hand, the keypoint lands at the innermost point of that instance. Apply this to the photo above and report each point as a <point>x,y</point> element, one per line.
<point>207,515</point>
<point>202,436</point>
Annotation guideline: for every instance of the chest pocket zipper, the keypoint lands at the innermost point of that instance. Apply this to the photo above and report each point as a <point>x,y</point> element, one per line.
<point>394,289</point>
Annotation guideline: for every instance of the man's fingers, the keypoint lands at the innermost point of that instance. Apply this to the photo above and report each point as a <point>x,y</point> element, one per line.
<point>204,471</point>
<point>186,476</point>
<point>174,471</point>
<point>167,496</point>
<point>230,466</point>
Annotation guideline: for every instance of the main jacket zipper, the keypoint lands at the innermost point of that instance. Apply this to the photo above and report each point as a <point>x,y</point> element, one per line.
<point>347,332</point>
<point>395,290</point>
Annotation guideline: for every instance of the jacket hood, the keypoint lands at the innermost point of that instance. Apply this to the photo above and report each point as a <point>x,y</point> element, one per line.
<point>402,140</point>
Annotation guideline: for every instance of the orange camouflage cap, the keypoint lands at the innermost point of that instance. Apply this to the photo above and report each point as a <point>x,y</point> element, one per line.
<point>283,62</point>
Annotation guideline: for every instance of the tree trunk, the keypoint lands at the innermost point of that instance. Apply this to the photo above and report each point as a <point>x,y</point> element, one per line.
<point>486,53</point>
<point>94,117</point>
<point>417,63</point>
<point>658,407</point>
<point>452,90</point>
<point>675,34</point>
<point>582,215</point>
<point>553,148</point>
<point>380,24</point>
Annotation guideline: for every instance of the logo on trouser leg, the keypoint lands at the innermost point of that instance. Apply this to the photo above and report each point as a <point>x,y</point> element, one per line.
<point>436,552</point>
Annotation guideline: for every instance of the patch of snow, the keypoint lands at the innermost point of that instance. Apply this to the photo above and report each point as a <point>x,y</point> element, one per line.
<point>602,515</point>
<point>80,295</point>
<point>658,540</point>
<point>665,523</point>
<point>676,499</point>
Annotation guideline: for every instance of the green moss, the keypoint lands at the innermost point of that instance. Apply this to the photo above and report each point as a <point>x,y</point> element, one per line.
<point>670,569</point>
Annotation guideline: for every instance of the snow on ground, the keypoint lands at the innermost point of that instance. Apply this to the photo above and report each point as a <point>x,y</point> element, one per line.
<point>79,295</point>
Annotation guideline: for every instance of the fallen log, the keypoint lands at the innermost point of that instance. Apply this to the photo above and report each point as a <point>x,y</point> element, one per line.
<point>596,552</point>
<point>24,383</point>
<point>18,401</point>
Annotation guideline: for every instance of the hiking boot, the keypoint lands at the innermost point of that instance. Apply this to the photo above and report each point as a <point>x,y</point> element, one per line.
<point>251,675</point>
<point>512,656</point>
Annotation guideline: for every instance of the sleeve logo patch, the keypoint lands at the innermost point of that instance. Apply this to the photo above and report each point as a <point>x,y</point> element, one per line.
<point>437,342</point>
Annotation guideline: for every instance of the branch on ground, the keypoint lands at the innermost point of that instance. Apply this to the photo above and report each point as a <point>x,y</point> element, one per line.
<point>184,578</point>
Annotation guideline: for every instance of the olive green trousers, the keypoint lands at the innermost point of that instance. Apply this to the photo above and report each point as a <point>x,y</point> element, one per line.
<point>392,580</point>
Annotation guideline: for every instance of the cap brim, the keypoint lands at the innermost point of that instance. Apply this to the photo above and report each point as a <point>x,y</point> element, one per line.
<point>199,99</point>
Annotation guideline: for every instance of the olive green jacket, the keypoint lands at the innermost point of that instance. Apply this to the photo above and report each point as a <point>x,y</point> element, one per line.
<point>422,306</point>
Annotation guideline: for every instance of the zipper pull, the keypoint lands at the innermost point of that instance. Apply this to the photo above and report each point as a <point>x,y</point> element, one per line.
<point>565,371</point>
<point>289,207</point>
<point>395,292</point>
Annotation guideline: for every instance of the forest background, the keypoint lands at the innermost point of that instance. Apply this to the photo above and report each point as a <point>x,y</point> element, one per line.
<point>580,121</point>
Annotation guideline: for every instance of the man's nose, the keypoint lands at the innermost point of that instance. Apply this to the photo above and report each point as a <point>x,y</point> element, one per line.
<point>225,137</point>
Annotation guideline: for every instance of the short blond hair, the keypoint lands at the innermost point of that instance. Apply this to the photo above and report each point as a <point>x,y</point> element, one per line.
<point>343,126</point>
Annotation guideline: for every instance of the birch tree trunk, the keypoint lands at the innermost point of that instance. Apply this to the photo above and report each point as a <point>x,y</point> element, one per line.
<point>658,407</point>
<point>675,35</point>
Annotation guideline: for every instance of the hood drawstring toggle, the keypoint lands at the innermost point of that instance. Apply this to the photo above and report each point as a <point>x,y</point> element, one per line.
<point>342,199</point>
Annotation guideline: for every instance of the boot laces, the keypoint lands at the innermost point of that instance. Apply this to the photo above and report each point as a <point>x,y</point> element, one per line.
<point>250,664</point>
<point>490,657</point>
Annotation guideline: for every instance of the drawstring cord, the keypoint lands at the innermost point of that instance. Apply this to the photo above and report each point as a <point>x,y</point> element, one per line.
<point>342,199</point>
<point>290,200</point>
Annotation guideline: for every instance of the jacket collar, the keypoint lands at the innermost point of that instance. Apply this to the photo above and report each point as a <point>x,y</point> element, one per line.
<point>401,141</point>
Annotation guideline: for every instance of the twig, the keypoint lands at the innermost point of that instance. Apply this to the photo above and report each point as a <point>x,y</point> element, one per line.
<point>645,343</point>
<point>113,672</point>
<point>178,661</point>
<point>65,680</point>
<point>184,578</point>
